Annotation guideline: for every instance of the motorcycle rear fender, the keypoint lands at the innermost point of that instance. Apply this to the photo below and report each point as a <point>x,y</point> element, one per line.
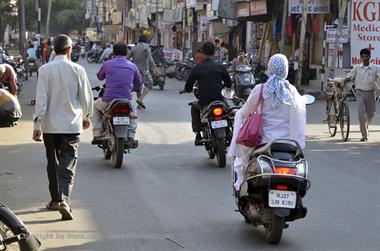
<point>282,212</point>
<point>220,132</point>
<point>120,131</point>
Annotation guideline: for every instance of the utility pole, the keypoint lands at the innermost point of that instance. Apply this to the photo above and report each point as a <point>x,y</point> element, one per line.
<point>48,18</point>
<point>21,14</point>
<point>342,12</point>
<point>302,43</point>
<point>283,29</point>
<point>39,47</point>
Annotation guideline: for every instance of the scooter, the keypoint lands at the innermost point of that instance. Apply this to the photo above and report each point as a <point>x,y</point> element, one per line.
<point>275,182</point>
<point>14,235</point>
<point>243,80</point>
<point>115,120</point>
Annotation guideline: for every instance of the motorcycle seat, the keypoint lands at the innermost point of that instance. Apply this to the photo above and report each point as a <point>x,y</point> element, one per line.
<point>278,146</point>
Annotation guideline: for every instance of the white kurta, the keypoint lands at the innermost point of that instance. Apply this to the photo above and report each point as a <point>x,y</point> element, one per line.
<point>286,121</point>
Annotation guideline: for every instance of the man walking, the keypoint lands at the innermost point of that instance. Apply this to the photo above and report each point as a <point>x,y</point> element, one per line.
<point>64,103</point>
<point>365,77</point>
<point>142,57</point>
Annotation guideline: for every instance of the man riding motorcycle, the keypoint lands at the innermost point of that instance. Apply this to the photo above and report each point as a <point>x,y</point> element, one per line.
<point>122,77</point>
<point>209,76</point>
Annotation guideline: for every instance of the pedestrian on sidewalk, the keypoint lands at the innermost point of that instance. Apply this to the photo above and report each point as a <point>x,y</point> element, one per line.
<point>365,76</point>
<point>64,104</point>
<point>141,55</point>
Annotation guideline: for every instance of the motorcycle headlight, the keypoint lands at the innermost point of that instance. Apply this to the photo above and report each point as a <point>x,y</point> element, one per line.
<point>302,168</point>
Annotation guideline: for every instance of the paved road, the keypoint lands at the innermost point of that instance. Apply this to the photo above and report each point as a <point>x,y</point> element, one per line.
<point>169,196</point>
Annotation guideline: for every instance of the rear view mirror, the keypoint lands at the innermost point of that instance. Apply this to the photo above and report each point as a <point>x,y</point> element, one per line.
<point>228,94</point>
<point>309,99</point>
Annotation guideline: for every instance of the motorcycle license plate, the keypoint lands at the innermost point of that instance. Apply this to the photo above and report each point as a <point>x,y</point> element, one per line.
<point>284,199</point>
<point>219,124</point>
<point>120,120</point>
<point>19,70</point>
<point>31,64</point>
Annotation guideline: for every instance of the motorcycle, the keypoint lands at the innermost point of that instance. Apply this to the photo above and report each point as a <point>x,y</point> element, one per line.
<point>275,182</point>
<point>115,120</point>
<point>32,66</point>
<point>14,235</point>
<point>94,55</point>
<point>160,78</point>
<point>83,51</point>
<point>217,126</point>
<point>243,80</point>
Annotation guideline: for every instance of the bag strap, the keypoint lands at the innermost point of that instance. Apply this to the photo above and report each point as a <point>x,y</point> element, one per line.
<point>260,103</point>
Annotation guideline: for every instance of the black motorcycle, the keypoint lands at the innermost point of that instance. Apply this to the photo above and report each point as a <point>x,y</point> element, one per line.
<point>14,235</point>
<point>115,121</point>
<point>217,125</point>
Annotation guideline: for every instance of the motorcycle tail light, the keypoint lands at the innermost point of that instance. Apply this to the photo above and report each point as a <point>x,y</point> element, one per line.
<point>217,111</point>
<point>285,170</point>
<point>120,109</point>
<point>282,187</point>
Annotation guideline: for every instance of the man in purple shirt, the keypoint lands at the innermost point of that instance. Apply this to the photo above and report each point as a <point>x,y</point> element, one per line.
<point>122,77</point>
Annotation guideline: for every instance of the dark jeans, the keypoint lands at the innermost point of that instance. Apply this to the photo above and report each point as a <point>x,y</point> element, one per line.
<point>196,116</point>
<point>62,155</point>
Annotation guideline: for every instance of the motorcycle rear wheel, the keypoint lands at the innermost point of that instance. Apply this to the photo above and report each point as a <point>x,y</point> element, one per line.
<point>273,231</point>
<point>221,152</point>
<point>118,153</point>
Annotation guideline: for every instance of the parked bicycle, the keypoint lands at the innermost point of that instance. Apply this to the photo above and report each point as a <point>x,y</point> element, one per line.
<point>337,109</point>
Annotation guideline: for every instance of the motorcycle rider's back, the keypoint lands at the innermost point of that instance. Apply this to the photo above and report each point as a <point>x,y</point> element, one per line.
<point>211,78</point>
<point>122,77</point>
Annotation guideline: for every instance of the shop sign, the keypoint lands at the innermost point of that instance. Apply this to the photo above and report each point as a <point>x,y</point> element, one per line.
<point>258,7</point>
<point>365,30</point>
<point>331,34</point>
<point>242,9</point>
<point>313,6</point>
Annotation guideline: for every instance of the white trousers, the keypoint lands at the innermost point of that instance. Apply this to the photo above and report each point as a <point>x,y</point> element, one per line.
<point>96,119</point>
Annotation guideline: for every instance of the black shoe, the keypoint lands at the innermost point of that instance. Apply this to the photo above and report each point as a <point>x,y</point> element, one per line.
<point>131,143</point>
<point>140,103</point>
<point>97,140</point>
<point>364,139</point>
<point>198,139</point>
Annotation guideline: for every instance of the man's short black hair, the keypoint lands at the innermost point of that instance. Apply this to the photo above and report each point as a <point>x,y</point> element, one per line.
<point>143,39</point>
<point>120,49</point>
<point>208,48</point>
<point>365,51</point>
<point>61,43</point>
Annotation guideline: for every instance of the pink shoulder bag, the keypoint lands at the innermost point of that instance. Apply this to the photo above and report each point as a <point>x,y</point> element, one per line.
<point>251,131</point>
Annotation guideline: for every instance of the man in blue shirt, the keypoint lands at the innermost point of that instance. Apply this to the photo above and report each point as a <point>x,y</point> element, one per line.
<point>122,77</point>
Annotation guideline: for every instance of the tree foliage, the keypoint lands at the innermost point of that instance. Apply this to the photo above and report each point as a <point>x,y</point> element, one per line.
<point>65,16</point>
<point>7,16</point>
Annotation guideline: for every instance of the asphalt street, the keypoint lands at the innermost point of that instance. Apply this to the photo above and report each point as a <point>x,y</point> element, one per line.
<point>169,196</point>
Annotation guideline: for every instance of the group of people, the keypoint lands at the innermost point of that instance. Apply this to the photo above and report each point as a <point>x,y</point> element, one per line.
<point>64,106</point>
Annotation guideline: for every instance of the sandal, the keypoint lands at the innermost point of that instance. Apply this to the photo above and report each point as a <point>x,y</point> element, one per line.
<point>140,103</point>
<point>52,205</point>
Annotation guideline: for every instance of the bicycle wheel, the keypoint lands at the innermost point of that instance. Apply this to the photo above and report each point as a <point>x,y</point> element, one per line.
<point>331,119</point>
<point>344,120</point>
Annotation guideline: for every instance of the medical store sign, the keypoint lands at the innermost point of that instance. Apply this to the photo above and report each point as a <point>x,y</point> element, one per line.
<point>365,30</point>
<point>313,6</point>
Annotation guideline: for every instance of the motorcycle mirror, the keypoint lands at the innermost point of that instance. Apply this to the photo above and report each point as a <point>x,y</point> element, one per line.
<point>309,99</point>
<point>228,94</point>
